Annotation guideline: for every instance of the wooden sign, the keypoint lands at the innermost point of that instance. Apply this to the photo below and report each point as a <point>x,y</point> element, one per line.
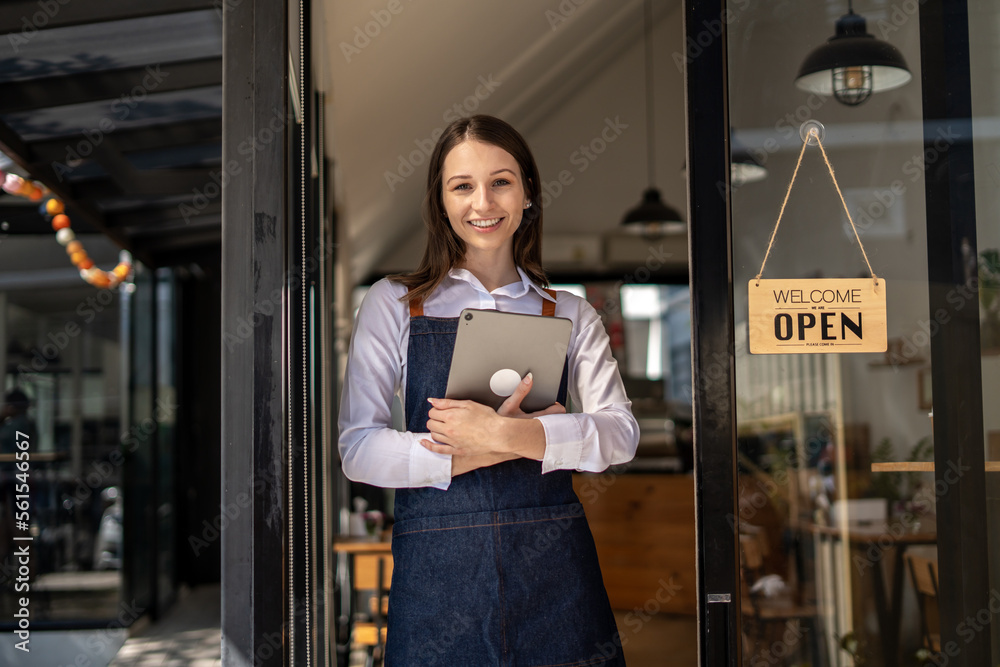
<point>809,316</point>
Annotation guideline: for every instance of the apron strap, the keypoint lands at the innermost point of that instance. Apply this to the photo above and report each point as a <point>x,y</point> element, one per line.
<point>416,306</point>
<point>549,307</point>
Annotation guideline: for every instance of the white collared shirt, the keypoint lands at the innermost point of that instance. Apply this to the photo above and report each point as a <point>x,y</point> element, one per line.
<point>603,433</point>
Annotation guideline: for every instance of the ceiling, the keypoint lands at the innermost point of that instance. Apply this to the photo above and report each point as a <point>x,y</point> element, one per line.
<point>568,75</point>
<point>117,107</point>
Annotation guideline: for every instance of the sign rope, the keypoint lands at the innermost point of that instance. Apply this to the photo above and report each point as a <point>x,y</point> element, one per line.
<point>814,134</point>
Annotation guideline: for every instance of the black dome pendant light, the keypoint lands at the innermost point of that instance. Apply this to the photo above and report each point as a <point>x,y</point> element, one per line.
<point>853,64</point>
<point>652,218</point>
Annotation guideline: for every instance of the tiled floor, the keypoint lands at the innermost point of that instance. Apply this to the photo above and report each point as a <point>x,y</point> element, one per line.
<point>187,636</point>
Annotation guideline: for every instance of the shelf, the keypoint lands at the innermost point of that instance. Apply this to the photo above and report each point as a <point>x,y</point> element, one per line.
<point>920,466</point>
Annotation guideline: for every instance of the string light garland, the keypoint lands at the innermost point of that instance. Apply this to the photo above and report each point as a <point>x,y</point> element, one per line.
<point>53,209</point>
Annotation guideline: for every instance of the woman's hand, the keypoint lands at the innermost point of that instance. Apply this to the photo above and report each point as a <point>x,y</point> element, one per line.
<point>470,429</point>
<point>512,406</point>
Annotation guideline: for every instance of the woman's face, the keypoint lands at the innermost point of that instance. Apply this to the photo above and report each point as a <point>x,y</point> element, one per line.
<point>483,196</point>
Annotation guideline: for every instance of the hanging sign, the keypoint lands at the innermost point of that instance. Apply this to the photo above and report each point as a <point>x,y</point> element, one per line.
<point>808,316</point>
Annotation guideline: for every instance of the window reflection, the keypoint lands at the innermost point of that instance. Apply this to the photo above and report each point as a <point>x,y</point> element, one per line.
<point>61,358</point>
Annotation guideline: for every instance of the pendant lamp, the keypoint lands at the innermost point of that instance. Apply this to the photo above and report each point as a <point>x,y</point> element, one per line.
<point>743,166</point>
<point>652,218</point>
<point>853,64</point>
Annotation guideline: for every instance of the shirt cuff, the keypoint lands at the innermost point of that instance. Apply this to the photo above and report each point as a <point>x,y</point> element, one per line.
<point>564,439</point>
<point>428,468</point>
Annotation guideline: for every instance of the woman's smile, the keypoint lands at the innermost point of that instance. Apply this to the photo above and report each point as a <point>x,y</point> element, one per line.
<point>487,225</point>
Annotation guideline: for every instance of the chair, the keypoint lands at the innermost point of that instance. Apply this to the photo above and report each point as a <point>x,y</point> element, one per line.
<point>924,573</point>
<point>371,578</point>
<point>768,610</point>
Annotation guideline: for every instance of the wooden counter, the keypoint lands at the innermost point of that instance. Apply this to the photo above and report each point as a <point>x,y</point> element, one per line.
<point>643,526</point>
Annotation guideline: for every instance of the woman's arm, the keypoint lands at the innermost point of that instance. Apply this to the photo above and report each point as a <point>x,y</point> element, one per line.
<point>604,432</point>
<point>372,451</point>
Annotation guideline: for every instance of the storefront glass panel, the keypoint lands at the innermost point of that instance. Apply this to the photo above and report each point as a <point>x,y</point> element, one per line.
<point>836,489</point>
<point>61,355</point>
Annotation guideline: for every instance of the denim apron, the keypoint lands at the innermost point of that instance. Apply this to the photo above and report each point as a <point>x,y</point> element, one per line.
<point>500,569</point>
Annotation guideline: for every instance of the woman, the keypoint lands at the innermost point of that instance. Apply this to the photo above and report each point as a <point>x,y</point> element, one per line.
<point>494,563</point>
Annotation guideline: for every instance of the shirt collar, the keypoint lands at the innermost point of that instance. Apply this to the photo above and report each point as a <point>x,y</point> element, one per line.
<point>514,290</point>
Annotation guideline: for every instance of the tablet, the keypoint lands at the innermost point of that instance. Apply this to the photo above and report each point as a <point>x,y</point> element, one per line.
<point>494,350</point>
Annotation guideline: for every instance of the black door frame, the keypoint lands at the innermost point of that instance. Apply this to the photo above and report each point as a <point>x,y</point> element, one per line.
<point>712,336</point>
<point>955,347</point>
<point>255,228</point>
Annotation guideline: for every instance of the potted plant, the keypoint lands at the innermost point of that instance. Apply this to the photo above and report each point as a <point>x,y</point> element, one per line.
<point>989,299</point>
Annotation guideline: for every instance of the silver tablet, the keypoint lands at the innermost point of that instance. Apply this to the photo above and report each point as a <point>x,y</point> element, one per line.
<point>494,350</point>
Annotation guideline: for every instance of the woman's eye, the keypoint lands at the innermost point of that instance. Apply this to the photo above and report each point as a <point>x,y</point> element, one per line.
<point>501,181</point>
<point>462,186</point>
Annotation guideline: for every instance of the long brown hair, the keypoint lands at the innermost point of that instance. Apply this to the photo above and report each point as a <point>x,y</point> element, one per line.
<point>444,248</point>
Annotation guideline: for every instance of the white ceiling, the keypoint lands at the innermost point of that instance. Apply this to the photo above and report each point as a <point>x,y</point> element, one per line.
<point>559,72</point>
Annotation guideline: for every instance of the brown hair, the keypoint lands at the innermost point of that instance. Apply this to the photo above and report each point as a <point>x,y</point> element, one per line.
<point>444,248</point>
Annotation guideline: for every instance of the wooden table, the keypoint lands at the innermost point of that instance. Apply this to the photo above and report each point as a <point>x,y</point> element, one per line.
<point>882,535</point>
<point>350,544</point>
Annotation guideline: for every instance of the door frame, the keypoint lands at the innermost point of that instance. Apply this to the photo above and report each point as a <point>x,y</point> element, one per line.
<point>956,378</point>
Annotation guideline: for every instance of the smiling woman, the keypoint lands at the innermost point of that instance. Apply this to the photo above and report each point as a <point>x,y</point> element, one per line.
<point>491,547</point>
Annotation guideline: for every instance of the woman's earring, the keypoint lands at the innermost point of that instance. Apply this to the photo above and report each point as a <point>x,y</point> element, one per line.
<point>528,205</point>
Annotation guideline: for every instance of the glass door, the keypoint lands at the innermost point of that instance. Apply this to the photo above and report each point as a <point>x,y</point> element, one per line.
<point>829,510</point>
<point>849,469</point>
